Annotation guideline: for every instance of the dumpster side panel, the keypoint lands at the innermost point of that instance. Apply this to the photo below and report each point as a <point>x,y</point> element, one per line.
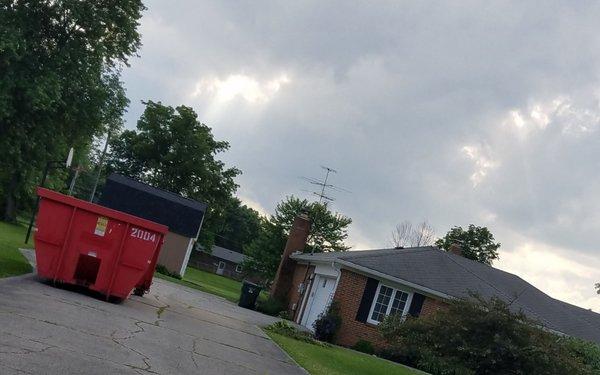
<point>50,237</point>
<point>135,259</point>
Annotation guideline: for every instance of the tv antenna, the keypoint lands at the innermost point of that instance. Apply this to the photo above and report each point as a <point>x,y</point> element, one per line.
<point>324,185</point>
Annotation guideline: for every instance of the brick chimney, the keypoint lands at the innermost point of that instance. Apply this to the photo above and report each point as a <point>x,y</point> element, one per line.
<point>455,249</point>
<point>295,242</point>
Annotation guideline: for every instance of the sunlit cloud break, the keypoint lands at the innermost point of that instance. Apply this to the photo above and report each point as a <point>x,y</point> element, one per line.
<point>483,163</point>
<point>560,111</point>
<point>241,86</point>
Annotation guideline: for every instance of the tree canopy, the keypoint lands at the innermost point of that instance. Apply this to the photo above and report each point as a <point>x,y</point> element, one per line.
<point>476,243</point>
<point>59,85</point>
<point>172,150</point>
<point>328,233</point>
<point>236,227</point>
<point>407,235</point>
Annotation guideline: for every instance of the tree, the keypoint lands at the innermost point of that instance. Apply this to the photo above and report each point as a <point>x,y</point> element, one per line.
<point>60,62</point>
<point>237,227</point>
<point>328,232</point>
<point>476,243</point>
<point>405,235</point>
<point>174,151</point>
<point>264,253</point>
<point>477,336</point>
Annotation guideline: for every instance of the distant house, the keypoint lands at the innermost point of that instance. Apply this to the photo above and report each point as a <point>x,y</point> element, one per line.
<point>219,260</point>
<point>183,216</point>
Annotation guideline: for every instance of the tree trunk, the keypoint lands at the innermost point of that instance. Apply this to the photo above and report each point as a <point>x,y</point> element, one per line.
<point>10,199</point>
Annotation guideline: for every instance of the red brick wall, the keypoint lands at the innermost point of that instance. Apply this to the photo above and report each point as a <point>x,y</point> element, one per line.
<point>296,242</point>
<point>348,296</point>
<point>431,305</point>
<point>294,296</point>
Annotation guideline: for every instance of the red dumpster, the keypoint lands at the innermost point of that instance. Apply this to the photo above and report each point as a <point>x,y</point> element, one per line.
<point>82,243</point>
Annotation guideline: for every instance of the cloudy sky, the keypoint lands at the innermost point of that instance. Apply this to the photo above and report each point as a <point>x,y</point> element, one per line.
<point>469,112</point>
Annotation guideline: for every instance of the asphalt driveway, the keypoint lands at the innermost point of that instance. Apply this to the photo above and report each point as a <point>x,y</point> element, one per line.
<point>171,330</point>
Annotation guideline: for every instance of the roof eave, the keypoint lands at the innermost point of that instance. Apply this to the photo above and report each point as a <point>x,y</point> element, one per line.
<point>307,258</point>
<point>381,275</point>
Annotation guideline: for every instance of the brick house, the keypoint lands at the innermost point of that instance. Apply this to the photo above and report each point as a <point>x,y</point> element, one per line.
<point>369,285</point>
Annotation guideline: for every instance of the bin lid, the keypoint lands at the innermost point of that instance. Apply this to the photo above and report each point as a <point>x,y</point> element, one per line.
<point>101,210</point>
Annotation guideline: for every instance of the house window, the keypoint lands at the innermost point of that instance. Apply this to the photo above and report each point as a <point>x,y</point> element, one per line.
<point>388,301</point>
<point>238,268</point>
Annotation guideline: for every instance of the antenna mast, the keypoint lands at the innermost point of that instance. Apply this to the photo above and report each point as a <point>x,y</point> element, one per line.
<point>324,184</point>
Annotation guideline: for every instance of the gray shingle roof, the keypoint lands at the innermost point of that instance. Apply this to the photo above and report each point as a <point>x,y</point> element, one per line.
<point>456,276</point>
<point>230,255</point>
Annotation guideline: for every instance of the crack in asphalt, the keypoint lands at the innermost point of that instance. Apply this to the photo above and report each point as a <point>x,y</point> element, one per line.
<point>16,369</point>
<point>213,322</point>
<point>60,347</point>
<point>145,358</point>
<point>23,351</point>
<point>193,351</point>
<point>139,323</point>
<point>132,327</point>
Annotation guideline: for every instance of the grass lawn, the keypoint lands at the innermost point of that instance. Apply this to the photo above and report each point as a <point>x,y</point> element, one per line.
<point>11,239</point>
<point>208,282</point>
<point>211,283</point>
<point>335,360</point>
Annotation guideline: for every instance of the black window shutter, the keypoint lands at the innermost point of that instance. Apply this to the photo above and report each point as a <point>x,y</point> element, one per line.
<point>367,299</point>
<point>416,304</point>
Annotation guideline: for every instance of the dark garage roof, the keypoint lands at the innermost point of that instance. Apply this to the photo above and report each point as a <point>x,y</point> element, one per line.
<point>223,253</point>
<point>456,276</point>
<point>183,216</point>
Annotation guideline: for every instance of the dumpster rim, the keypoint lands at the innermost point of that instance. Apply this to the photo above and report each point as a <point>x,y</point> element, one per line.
<point>102,210</point>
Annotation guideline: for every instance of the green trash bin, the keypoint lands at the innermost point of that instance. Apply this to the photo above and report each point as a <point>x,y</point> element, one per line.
<point>250,292</point>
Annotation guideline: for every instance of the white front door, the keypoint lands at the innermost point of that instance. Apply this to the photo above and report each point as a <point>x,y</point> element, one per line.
<point>220,268</point>
<point>318,300</point>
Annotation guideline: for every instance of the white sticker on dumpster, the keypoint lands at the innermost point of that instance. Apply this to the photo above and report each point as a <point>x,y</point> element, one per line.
<point>101,226</point>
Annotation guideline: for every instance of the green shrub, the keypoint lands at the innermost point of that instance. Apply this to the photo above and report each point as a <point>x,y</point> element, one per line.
<point>477,336</point>
<point>328,323</point>
<point>364,346</point>
<point>164,271</point>
<point>271,306</point>
<point>285,328</point>
<point>587,352</point>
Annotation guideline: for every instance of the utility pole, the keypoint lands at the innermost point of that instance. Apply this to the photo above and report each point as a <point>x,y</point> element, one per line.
<point>74,179</point>
<point>49,165</point>
<point>99,167</point>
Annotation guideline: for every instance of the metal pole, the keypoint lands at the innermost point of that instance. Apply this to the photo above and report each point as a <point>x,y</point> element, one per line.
<point>100,163</point>
<point>72,186</point>
<point>37,202</point>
